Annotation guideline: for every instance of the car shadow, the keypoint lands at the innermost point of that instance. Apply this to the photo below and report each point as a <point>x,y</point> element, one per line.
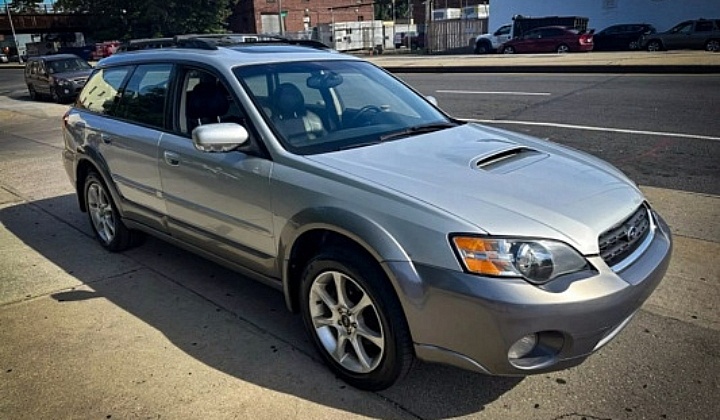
<point>162,270</point>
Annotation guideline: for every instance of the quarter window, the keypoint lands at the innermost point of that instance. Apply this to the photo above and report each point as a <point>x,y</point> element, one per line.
<point>101,90</point>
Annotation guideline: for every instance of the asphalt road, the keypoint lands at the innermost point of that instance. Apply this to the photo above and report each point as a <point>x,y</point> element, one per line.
<point>157,332</point>
<point>667,127</point>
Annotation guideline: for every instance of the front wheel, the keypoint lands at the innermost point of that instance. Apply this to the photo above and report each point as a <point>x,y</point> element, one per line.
<point>654,45</point>
<point>55,95</point>
<point>354,320</point>
<point>508,50</point>
<point>482,48</point>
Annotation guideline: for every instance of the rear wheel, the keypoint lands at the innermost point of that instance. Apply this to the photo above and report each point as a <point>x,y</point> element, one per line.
<point>654,45</point>
<point>105,220</point>
<point>562,49</point>
<point>508,50</point>
<point>712,45</point>
<point>354,320</point>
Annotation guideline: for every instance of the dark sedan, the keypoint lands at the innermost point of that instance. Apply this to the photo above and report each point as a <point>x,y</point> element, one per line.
<point>622,37</point>
<point>550,39</point>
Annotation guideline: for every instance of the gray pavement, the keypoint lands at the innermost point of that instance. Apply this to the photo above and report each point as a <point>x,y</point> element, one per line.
<point>157,332</point>
<point>682,61</point>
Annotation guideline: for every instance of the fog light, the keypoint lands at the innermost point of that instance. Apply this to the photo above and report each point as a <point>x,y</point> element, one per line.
<point>523,346</point>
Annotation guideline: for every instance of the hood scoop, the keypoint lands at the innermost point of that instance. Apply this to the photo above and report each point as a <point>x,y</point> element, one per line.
<point>508,159</point>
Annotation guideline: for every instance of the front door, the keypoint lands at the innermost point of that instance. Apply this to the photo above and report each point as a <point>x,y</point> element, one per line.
<point>219,201</point>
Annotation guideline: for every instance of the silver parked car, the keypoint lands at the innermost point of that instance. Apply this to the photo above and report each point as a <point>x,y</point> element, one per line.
<point>397,231</point>
<point>692,34</point>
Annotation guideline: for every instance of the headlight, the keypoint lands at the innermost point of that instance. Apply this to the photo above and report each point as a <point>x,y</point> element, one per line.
<point>538,261</point>
<point>62,82</point>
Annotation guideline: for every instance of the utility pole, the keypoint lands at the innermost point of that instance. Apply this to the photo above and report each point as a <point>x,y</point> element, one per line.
<point>12,29</point>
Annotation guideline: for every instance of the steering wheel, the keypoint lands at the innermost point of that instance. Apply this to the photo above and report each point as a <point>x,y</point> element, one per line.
<point>363,114</point>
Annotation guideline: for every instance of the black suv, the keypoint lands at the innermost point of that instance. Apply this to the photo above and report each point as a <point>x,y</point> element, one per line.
<point>60,76</point>
<point>626,36</point>
<point>690,34</point>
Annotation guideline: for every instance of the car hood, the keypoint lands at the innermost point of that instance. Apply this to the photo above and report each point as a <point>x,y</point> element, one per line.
<point>502,183</point>
<point>72,75</point>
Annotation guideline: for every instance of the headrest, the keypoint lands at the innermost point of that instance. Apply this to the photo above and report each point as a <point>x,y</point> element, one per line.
<point>207,100</point>
<point>288,101</point>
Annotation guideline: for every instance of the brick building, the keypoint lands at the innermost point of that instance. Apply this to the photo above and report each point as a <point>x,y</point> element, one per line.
<point>261,16</point>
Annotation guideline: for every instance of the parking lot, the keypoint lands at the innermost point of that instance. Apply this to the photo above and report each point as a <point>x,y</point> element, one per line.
<point>157,332</point>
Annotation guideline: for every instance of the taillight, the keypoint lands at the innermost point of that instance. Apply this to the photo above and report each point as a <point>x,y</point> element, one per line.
<point>65,119</point>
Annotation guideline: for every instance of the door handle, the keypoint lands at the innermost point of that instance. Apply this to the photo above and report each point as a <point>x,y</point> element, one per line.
<point>171,158</point>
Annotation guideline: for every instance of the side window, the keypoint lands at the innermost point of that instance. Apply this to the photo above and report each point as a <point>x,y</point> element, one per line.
<point>704,26</point>
<point>683,28</point>
<point>206,100</point>
<point>143,99</point>
<point>504,30</point>
<point>101,89</point>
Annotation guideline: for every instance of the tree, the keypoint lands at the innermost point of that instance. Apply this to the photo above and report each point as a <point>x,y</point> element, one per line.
<point>128,19</point>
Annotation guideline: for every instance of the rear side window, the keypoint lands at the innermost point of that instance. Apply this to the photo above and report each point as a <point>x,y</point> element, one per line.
<point>704,26</point>
<point>102,89</point>
<point>143,98</point>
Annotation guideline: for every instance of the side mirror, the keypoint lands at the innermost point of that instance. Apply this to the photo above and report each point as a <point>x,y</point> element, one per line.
<point>219,137</point>
<point>433,100</point>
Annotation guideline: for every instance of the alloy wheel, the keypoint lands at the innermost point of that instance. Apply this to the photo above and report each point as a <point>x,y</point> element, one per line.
<point>346,322</point>
<point>101,212</point>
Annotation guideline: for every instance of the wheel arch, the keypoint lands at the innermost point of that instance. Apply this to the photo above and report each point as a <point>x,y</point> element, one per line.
<point>311,231</point>
<point>91,161</point>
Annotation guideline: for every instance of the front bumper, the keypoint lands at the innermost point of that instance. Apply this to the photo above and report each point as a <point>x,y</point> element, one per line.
<point>472,321</point>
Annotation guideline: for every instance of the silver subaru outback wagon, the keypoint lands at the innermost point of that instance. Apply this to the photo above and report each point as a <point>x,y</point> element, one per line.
<point>396,231</point>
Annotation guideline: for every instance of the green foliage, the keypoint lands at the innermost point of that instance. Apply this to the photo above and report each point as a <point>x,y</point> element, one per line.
<point>384,9</point>
<point>130,19</point>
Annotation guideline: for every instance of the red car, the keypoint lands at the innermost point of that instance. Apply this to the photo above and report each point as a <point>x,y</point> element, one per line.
<point>550,39</point>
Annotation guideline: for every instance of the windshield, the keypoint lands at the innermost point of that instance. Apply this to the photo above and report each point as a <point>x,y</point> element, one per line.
<point>317,107</point>
<point>67,65</point>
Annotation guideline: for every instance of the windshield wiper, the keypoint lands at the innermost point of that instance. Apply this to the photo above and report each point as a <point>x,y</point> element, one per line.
<point>418,129</point>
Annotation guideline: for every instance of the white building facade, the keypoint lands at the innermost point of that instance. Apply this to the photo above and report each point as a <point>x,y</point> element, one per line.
<point>663,14</point>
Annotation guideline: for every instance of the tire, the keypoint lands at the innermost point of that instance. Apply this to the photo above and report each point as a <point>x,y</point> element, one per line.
<point>654,45</point>
<point>481,48</point>
<point>712,45</point>
<point>562,49</point>
<point>104,218</point>
<point>55,96</point>
<point>33,93</point>
<point>361,333</point>
<point>508,50</point>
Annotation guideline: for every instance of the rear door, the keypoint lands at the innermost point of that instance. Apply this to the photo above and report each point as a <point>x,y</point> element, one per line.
<point>125,115</point>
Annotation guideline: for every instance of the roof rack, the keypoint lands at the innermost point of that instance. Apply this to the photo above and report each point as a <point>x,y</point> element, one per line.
<point>213,41</point>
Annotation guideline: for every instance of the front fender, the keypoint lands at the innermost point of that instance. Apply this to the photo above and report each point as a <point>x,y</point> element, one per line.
<point>366,233</point>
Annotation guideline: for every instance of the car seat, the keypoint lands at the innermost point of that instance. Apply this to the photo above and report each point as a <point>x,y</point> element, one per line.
<point>292,118</point>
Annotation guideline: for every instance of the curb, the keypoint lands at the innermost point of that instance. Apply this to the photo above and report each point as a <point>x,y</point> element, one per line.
<point>646,69</point>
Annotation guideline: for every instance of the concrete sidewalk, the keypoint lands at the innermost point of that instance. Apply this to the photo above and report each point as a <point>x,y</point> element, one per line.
<point>594,62</point>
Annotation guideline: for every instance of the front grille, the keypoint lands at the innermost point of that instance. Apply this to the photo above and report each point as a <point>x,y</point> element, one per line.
<point>619,242</point>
